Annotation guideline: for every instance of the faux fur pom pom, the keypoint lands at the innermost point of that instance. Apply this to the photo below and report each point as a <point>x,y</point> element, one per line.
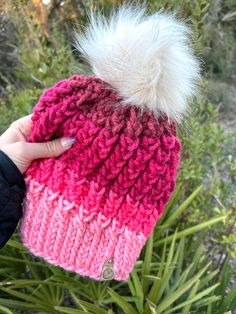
<point>146,58</point>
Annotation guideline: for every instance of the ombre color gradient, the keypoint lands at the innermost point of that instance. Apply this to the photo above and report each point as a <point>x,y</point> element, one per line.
<point>101,199</point>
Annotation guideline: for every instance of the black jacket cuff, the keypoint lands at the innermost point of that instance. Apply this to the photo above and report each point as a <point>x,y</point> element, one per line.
<point>12,192</point>
<point>10,171</point>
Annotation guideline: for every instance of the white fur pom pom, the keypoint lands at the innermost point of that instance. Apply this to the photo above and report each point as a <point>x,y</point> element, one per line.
<point>146,59</point>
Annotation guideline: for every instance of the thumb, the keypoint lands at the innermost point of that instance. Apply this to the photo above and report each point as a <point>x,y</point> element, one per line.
<point>48,149</point>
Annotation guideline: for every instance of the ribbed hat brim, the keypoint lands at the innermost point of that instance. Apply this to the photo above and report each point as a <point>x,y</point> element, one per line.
<point>58,231</point>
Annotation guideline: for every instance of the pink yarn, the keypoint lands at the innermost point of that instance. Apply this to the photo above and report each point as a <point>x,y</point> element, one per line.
<point>101,199</point>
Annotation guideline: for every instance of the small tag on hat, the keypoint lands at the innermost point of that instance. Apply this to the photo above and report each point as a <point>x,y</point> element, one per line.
<point>108,272</point>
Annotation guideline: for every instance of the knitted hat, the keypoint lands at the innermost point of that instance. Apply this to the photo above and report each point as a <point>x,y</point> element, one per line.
<point>91,209</point>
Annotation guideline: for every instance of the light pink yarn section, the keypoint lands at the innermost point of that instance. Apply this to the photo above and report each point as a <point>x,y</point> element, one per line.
<point>64,234</point>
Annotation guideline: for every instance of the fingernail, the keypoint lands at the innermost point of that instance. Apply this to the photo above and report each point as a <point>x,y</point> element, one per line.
<point>67,141</point>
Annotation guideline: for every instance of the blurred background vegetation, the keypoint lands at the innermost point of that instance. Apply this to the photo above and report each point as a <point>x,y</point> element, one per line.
<point>188,265</point>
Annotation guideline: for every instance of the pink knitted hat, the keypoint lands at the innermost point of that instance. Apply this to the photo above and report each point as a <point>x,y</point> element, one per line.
<point>91,209</point>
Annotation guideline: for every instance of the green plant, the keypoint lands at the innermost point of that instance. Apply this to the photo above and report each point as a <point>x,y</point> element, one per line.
<point>186,266</point>
<point>172,274</point>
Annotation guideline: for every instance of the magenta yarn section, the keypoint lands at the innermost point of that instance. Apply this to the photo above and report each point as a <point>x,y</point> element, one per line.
<point>123,164</point>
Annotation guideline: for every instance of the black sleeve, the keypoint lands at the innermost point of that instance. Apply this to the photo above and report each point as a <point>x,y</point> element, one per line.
<point>12,192</point>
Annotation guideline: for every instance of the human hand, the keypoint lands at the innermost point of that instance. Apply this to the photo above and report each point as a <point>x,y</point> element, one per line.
<point>13,142</point>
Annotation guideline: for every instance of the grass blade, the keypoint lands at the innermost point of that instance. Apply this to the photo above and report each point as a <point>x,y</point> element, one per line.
<point>126,307</point>
<point>147,264</point>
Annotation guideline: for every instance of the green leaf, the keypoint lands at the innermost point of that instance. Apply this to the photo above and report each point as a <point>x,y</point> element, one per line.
<point>194,298</point>
<point>179,292</point>
<point>16,245</point>
<point>192,230</point>
<point>26,297</point>
<point>128,299</point>
<point>138,291</point>
<point>228,300</point>
<point>192,293</point>
<point>147,264</point>
<point>164,274</point>
<point>170,205</point>
<point>196,241</point>
<point>174,215</point>
<point>20,260</point>
<point>88,306</point>
<point>126,307</point>
<point>68,310</point>
<point>180,259</point>
<point>5,310</point>
<point>204,281</point>
<point>207,302</point>
<point>21,305</point>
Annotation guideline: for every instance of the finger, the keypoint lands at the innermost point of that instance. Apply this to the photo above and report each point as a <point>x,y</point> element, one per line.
<point>25,124</point>
<point>24,119</point>
<point>48,149</point>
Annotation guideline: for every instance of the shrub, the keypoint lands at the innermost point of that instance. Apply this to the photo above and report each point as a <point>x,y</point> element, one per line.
<point>186,266</point>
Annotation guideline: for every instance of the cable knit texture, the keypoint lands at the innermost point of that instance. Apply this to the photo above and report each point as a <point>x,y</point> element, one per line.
<point>92,209</point>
